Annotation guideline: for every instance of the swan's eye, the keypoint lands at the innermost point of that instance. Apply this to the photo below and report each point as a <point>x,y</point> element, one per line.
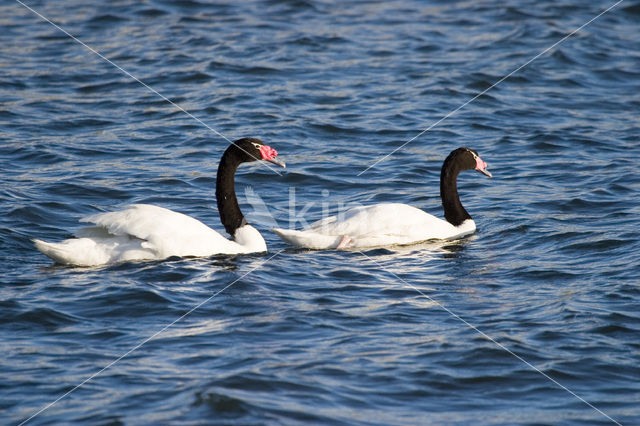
<point>256,145</point>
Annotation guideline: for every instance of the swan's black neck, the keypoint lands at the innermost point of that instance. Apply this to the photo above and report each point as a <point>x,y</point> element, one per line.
<point>453,210</point>
<point>230,214</point>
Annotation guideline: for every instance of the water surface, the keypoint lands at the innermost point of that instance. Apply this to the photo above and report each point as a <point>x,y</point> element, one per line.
<point>385,336</point>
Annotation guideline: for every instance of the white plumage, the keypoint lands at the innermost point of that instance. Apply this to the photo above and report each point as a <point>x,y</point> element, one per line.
<point>377,225</point>
<point>143,231</point>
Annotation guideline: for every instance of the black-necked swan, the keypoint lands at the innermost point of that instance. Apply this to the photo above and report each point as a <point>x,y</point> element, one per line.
<point>144,232</point>
<point>393,223</point>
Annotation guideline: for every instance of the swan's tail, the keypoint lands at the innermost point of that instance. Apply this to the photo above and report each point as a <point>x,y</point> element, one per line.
<point>51,250</point>
<point>79,252</point>
<point>308,239</point>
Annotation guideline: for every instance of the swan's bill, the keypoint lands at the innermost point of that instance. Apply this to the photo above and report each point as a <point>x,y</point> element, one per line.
<point>278,162</point>
<point>271,155</point>
<point>481,166</point>
<point>485,172</point>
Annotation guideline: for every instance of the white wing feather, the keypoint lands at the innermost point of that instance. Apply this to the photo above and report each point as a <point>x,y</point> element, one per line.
<point>166,232</point>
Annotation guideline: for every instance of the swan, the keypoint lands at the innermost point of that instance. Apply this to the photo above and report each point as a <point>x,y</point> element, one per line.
<point>145,232</point>
<point>394,223</point>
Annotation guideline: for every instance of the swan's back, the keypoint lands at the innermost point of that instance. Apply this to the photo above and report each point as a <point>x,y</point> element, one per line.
<point>387,218</point>
<point>165,232</point>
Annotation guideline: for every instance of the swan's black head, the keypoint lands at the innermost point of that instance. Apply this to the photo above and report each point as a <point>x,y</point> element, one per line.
<point>460,159</point>
<point>241,151</point>
<point>466,159</point>
<point>253,149</point>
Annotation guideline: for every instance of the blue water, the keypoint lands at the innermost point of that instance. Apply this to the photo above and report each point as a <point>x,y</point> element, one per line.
<point>533,320</point>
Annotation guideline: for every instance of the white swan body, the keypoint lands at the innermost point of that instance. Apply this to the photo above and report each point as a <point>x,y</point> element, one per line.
<point>144,232</point>
<point>395,224</point>
<point>372,226</point>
